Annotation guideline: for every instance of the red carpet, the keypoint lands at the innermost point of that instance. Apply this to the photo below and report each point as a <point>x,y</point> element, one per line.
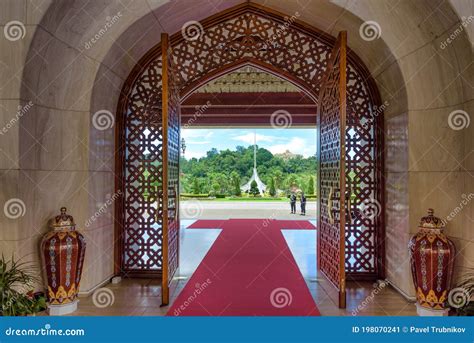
<point>248,271</point>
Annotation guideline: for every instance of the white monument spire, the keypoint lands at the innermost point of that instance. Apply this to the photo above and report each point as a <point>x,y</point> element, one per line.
<point>260,185</point>
<point>255,149</point>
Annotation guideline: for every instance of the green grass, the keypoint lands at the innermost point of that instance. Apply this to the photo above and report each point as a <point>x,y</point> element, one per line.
<point>254,199</point>
<point>249,199</point>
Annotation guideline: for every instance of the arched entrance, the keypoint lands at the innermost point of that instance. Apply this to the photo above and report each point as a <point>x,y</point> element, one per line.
<point>245,34</point>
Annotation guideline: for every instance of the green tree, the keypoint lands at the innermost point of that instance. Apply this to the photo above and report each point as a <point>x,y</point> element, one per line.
<point>278,177</point>
<point>272,190</point>
<point>221,166</point>
<point>235,179</point>
<point>254,188</point>
<point>215,188</point>
<point>291,181</point>
<point>222,180</point>
<point>196,188</point>
<point>310,189</point>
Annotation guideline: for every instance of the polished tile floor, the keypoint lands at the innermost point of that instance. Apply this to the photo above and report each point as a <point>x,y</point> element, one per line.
<point>141,297</point>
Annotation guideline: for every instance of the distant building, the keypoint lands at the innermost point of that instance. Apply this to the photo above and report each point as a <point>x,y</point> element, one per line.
<point>287,155</point>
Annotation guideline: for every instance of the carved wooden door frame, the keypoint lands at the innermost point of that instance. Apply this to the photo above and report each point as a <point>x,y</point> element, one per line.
<point>245,34</point>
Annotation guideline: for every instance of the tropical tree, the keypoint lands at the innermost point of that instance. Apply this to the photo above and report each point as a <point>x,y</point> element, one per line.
<point>222,180</point>
<point>215,188</point>
<point>291,181</point>
<point>235,178</point>
<point>278,177</point>
<point>254,188</point>
<point>310,189</point>
<point>272,190</point>
<point>228,168</point>
<point>196,188</point>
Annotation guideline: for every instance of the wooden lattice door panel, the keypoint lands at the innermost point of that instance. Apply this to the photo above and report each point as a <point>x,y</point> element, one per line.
<point>142,223</point>
<point>332,133</point>
<point>171,141</point>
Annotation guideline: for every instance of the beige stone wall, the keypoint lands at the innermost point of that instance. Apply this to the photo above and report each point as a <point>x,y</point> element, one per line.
<point>54,156</point>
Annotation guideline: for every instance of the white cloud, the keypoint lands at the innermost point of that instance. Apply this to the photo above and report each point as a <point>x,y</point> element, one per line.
<point>193,133</point>
<point>249,137</point>
<point>195,153</point>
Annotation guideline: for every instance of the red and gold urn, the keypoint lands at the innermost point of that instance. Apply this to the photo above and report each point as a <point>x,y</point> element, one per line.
<point>432,263</point>
<point>63,250</point>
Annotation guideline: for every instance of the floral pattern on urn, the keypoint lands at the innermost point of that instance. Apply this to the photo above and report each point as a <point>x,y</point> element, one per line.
<point>63,250</point>
<point>432,263</point>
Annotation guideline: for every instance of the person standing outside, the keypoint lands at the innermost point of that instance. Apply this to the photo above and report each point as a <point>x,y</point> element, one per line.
<point>293,203</point>
<point>303,204</point>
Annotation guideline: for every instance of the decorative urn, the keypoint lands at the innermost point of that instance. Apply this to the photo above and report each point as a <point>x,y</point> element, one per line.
<point>63,250</point>
<point>432,263</point>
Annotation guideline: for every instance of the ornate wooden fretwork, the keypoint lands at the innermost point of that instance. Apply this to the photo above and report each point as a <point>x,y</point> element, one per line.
<point>246,35</point>
<point>332,219</point>
<point>142,231</point>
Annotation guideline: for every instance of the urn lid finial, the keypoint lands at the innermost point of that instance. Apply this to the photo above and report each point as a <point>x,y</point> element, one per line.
<point>432,222</point>
<point>63,221</point>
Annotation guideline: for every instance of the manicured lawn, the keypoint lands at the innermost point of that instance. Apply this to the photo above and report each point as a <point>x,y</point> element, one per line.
<point>249,199</point>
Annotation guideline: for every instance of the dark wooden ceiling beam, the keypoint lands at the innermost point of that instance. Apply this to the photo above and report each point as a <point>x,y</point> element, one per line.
<point>246,98</point>
<point>236,121</point>
<point>252,111</point>
<point>246,109</point>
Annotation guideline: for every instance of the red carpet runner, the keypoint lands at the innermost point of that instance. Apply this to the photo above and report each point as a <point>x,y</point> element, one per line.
<point>248,271</point>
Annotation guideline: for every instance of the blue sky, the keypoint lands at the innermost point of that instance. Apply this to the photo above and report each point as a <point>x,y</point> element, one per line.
<point>298,141</point>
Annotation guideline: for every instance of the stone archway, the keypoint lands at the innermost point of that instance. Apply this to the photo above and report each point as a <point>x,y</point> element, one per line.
<point>245,34</point>
<point>420,82</point>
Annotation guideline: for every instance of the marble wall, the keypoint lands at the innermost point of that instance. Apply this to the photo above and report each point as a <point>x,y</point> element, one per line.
<point>69,68</point>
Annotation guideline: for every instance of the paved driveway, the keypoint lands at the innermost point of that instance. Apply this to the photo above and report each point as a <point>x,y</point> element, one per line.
<point>195,209</point>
